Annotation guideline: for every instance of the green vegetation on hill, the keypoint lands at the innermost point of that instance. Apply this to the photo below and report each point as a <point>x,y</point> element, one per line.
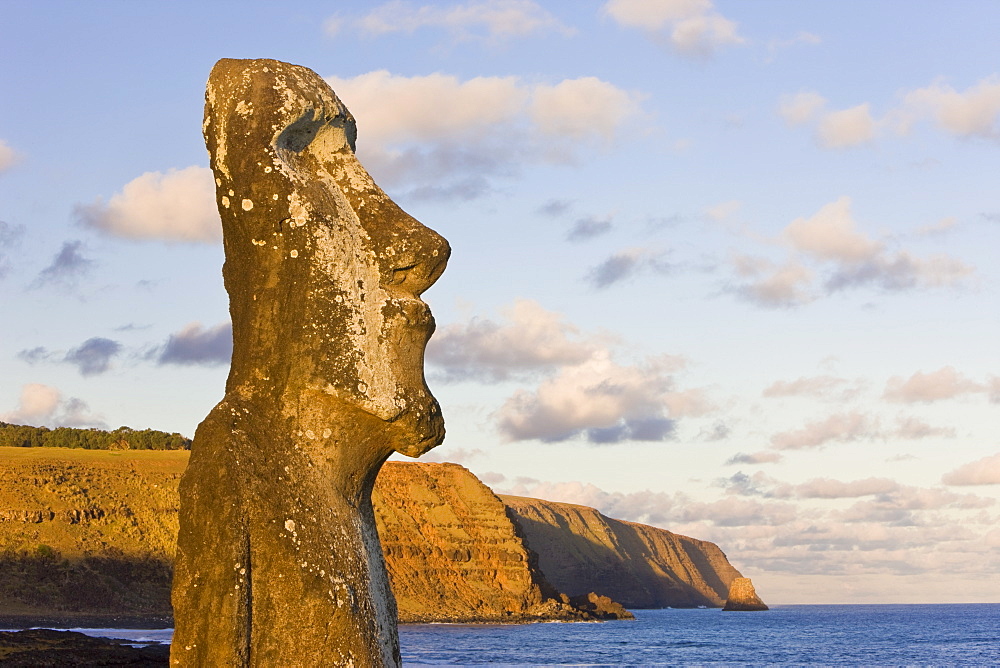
<point>123,438</point>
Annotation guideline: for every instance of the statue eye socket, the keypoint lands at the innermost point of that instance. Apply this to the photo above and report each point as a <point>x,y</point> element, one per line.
<point>400,275</point>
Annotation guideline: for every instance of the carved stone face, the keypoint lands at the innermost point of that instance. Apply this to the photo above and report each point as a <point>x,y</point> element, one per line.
<point>334,267</point>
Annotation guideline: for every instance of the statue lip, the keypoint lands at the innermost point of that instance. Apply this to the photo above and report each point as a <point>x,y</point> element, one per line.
<point>416,311</point>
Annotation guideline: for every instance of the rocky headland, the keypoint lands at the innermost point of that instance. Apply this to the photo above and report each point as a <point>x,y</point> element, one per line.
<point>581,550</point>
<point>743,597</point>
<point>87,538</point>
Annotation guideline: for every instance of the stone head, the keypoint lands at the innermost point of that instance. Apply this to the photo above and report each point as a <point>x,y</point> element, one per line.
<point>323,269</point>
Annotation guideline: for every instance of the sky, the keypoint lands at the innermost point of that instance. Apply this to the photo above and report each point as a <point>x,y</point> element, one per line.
<point>725,268</point>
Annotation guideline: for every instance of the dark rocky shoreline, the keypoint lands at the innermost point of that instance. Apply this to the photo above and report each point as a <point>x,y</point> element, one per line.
<point>51,647</point>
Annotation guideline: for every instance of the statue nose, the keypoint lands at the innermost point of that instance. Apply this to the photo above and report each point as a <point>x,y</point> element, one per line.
<point>417,270</point>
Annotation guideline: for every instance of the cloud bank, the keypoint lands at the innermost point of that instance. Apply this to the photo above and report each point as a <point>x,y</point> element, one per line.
<point>582,391</point>
<point>970,114</point>
<point>488,128</point>
<point>829,241</point>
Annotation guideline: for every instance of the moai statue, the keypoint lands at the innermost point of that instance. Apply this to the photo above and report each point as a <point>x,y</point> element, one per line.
<point>278,559</point>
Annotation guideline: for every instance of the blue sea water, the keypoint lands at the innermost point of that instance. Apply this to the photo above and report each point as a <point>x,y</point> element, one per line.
<point>830,635</point>
<point>890,635</point>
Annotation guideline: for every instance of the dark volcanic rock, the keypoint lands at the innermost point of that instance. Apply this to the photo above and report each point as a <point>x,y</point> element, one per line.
<point>278,559</point>
<point>743,598</point>
<point>46,647</point>
<point>601,607</point>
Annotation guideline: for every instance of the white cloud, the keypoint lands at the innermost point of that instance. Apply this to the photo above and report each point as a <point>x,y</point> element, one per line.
<point>974,112</point>
<point>840,427</point>
<point>581,108</point>
<point>843,128</point>
<point>802,37</point>
<point>915,428</point>
<point>760,457</point>
<point>940,227</point>
<point>847,127</point>
<point>43,405</point>
<point>689,27</point>
<point>178,205</point>
<point>723,210</point>
<point>898,507</point>
<point>814,386</point>
<point>531,339</point>
<point>829,239</point>
<point>826,488</point>
<point>493,21</point>
<point>8,156</point>
<point>945,383</point>
<point>772,285</point>
<point>599,398</point>
<point>580,390</point>
<point>829,234</point>
<point>738,512</point>
<point>985,471</point>
<point>429,108</point>
<point>800,108</point>
<point>446,137</point>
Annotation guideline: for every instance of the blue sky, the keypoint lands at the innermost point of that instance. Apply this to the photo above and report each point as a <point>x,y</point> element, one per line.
<point>726,268</point>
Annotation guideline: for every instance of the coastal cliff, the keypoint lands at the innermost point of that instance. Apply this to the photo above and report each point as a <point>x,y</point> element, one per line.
<point>89,535</point>
<point>640,566</point>
<point>453,554</point>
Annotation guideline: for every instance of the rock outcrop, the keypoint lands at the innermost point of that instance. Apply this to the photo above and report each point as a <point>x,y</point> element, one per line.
<point>46,647</point>
<point>743,598</point>
<point>278,559</point>
<point>580,550</point>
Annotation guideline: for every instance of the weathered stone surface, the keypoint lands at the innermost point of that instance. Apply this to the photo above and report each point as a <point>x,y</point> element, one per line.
<point>278,559</point>
<point>580,551</point>
<point>742,597</point>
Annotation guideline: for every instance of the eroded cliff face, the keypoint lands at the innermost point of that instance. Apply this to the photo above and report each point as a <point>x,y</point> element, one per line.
<point>87,532</point>
<point>90,534</point>
<point>452,552</point>
<point>580,550</point>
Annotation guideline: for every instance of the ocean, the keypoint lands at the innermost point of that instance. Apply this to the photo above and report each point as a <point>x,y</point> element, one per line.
<point>829,635</point>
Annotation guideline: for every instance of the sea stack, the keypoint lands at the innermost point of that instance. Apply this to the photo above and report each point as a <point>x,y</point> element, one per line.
<point>278,558</point>
<point>742,597</point>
